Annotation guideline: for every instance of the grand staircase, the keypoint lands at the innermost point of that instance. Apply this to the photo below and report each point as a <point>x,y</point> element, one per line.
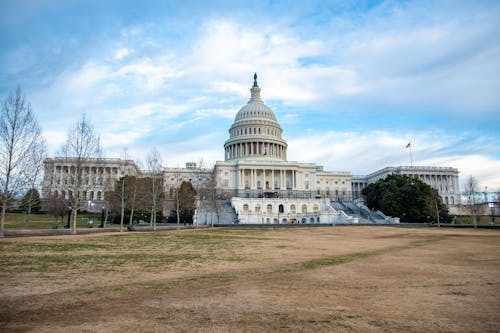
<point>224,213</point>
<point>365,215</point>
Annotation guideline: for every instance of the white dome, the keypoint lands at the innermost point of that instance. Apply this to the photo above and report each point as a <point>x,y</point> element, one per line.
<point>255,110</point>
<point>255,132</point>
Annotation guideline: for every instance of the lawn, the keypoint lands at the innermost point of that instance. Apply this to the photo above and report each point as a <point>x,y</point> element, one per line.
<point>331,279</point>
<point>44,221</point>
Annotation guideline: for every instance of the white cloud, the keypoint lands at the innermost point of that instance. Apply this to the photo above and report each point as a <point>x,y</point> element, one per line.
<point>223,113</point>
<point>227,52</point>
<point>121,53</point>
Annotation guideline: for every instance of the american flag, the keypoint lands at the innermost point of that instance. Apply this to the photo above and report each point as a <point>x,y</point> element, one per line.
<point>408,145</point>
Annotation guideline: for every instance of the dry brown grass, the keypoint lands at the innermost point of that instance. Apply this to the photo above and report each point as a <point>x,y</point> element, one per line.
<point>343,279</point>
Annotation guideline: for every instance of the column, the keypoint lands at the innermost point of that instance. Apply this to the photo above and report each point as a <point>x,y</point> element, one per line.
<point>272,179</point>
<point>263,179</point>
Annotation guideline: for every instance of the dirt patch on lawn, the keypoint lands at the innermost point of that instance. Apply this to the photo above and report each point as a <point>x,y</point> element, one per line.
<point>358,279</point>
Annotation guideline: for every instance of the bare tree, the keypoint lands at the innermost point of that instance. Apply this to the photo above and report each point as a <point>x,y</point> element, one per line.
<point>20,142</point>
<point>213,196</point>
<point>56,206</point>
<point>174,194</point>
<point>109,184</point>
<point>155,169</point>
<point>34,176</point>
<point>81,146</point>
<point>472,191</point>
<point>187,201</point>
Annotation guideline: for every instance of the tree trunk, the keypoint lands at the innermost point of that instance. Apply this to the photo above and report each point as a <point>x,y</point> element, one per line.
<point>2,219</point>
<point>123,205</point>
<point>178,212</point>
<point>131,220</point>
<point>74,214</point>
<point>153,214</point>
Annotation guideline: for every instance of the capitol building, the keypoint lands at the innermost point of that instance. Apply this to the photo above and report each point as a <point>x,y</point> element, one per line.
<point>256,183</point>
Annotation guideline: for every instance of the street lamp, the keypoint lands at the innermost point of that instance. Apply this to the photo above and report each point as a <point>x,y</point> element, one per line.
<point>492,206</point>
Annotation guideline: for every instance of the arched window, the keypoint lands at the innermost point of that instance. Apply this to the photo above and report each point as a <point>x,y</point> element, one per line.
<point>257,208</point>
<point>315,208</point>
<point>292,208</point>
<point>281,209</point>
<point>304,208</point>
<point>269,208</point>
<point>245,207</point>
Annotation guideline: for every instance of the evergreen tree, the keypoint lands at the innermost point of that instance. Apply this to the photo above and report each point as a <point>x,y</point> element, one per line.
<point>406,197</point>
<point>30,203</point>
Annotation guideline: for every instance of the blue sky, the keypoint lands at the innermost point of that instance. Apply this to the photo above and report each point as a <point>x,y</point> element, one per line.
<point>351,83</point>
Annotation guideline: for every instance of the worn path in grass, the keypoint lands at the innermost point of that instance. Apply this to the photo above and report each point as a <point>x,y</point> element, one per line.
<point>365,279</point>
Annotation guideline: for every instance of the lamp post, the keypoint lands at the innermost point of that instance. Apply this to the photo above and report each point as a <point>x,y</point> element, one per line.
<point>492,206</point>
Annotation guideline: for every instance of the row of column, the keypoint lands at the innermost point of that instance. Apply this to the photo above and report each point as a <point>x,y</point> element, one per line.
<point>252,178</point>
<point>255,149</point>
<point>85,195</point>
<point>86,170</point>
<point>87,177</point>
<point>443,183</point>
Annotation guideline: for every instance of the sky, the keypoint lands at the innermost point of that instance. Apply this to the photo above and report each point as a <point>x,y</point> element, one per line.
<point>351,82</point>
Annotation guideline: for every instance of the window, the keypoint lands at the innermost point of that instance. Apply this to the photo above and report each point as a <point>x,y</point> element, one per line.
<point>257,208</point>
<point>245,207</point>
<point>304,208</point>
<point>269,208</point>
<point>292,208</point>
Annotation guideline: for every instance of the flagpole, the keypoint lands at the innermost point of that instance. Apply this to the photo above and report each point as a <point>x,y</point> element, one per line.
<point>411,160</point>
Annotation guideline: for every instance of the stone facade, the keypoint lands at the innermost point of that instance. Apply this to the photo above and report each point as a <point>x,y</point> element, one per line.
<point>98,176</point>
<point>443,179</point>
<point>288,210</point>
